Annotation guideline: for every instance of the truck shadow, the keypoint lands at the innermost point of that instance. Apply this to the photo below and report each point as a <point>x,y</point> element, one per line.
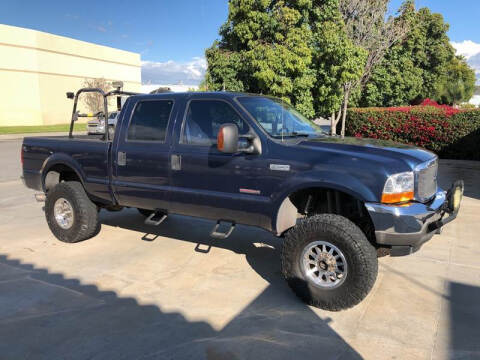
<point>264,259</point>
<point>464,320</point>
<point>44,315</point>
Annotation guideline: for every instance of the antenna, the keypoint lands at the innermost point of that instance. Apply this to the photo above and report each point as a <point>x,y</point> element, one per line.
<point>283,120</point>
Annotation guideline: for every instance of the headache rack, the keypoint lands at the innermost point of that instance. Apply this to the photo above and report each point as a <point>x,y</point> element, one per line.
<point>117,92</point>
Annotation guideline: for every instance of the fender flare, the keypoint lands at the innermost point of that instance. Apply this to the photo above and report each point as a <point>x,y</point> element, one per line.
<point>285,216</point>
<point>61,159</point>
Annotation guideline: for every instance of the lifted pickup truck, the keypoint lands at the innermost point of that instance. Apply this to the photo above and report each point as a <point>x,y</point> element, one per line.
<point>238,158</point>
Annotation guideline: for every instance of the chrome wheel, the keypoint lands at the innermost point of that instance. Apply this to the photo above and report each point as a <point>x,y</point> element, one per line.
<point>324,264</point>
<point>63,213</point>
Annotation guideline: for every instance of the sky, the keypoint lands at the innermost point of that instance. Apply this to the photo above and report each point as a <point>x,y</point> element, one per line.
<point>172,35</point>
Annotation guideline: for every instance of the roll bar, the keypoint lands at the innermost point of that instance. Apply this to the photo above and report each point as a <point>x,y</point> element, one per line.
<point>105,96</point>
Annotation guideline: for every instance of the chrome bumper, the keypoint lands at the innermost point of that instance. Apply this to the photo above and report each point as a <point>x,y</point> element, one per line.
<point>407,228</point>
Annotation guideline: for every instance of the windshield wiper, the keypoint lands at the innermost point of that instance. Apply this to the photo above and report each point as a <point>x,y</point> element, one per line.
<point>296,133</point>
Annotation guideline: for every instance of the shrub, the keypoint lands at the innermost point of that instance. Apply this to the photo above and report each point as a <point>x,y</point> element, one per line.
<point>450,132</point>
<point>467,106</point>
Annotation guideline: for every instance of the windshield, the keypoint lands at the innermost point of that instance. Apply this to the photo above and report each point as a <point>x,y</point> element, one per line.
<point>112,115</point>
<point>278,118</point>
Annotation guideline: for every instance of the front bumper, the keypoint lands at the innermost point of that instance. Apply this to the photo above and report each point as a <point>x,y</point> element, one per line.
<point>406,228</point>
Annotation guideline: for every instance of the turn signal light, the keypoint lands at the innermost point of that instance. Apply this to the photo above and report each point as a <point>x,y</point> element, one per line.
<point>397,197</point>
<point>220,139</point>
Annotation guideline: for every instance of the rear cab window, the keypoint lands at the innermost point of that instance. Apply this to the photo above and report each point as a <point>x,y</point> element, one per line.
<point>150,120</point>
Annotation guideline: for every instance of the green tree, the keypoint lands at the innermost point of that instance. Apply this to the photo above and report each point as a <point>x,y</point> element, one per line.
<point>459,82</point>
<point>265,48</point>
<point>336,60</point>
<point>419,67</point>
<point>398,78</point>
<point>368,28</point>
<point>293,49</point>
<point>314,54</point>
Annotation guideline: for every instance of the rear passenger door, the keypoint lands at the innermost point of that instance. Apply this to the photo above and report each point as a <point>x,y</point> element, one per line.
<point>141,157</point>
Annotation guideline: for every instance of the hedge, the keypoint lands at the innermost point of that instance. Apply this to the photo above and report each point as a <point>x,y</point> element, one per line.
<point>449,132</point>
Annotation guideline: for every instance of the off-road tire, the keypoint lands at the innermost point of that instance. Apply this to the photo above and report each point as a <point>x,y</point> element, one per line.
<point>360,255</point>
<point>86,222</point>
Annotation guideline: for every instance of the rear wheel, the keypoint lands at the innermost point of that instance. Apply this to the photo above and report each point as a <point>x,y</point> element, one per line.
<point>328,262</point>
<point>70,214</point>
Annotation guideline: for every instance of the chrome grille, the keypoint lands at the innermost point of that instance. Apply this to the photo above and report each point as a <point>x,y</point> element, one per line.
<point>426,175</point>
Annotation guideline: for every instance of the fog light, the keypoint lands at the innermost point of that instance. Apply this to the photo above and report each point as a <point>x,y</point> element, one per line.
<point>456,196</point>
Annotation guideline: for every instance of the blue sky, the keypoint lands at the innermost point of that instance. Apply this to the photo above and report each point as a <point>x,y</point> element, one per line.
<point>462,15</point>
<point>171,36</point>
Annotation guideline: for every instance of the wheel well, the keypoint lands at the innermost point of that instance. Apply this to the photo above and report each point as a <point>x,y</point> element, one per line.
<point>59,173</point>
<point>329,201</point>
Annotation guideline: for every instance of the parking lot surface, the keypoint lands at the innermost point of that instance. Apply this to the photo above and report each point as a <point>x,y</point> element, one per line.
<point>172,292</point>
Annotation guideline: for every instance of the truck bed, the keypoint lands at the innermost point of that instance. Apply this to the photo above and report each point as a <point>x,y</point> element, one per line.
<point>87,155</point>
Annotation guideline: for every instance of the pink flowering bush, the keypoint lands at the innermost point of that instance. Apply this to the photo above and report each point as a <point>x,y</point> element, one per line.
<point>451,132</point>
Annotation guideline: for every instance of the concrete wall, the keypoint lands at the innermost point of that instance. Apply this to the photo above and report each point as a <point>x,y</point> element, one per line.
<point>37,69</point>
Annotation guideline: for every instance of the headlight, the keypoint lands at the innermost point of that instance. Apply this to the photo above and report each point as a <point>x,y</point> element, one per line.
<point>399,188</point>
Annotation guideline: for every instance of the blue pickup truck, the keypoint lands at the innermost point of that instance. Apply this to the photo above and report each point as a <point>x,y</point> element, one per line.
<point>239,158</point>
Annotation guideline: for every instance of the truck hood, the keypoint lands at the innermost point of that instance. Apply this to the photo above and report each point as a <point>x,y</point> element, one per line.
<point>371,149</point>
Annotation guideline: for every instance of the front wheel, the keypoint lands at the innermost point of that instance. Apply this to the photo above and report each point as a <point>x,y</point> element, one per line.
<point>328,262</point>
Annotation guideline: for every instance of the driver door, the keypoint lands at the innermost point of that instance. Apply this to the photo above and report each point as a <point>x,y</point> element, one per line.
<point>207,182</point>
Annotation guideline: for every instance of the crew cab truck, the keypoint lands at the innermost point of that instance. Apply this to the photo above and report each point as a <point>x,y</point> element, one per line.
<point>238,158</point>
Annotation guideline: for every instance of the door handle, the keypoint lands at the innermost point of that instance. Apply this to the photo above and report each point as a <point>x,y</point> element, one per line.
<point>122,158</point>
<point>176,161</point>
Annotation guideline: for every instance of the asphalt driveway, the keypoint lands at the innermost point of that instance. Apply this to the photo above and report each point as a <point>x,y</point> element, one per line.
<point>171,292</point>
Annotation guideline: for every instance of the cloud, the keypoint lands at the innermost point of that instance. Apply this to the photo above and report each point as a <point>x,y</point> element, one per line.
<point>172,72</point>
<point>471,51</point>
<point>98,28</point>
<point>474,62</point>
<point>467,48</point>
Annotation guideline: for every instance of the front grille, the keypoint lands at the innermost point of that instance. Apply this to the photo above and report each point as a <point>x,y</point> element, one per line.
<point>427,180</point>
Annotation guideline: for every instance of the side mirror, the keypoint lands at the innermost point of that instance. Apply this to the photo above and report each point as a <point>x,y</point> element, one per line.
<point>70,95</point>
<point>227,139</point>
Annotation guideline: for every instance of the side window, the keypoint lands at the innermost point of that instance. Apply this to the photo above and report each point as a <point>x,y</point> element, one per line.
<point>204,118</point>
<point>150,120</point>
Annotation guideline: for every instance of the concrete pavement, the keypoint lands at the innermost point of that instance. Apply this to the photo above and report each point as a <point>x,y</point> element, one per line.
<point>137,292</point>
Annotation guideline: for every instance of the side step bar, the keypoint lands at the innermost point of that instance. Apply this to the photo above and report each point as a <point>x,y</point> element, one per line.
<point>156,218</point>
<point>216,234</point>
